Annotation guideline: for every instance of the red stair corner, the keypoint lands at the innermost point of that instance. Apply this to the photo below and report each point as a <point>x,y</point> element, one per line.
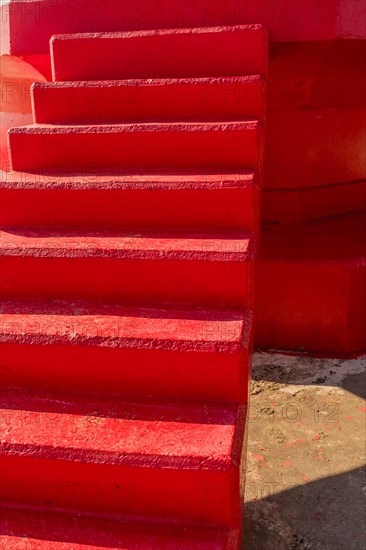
<point>127,291</point>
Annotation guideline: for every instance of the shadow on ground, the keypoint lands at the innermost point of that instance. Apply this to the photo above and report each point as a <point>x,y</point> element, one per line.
<point>333,508</point>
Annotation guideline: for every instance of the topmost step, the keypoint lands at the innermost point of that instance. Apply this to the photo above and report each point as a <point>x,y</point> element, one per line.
<point>166,53</point>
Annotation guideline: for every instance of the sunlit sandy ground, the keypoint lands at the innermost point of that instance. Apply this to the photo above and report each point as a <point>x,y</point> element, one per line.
<point>305,477</point>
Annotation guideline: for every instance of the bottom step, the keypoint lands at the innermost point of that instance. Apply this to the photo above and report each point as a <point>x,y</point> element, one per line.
<point>171,459</point>
<point>42,530</point>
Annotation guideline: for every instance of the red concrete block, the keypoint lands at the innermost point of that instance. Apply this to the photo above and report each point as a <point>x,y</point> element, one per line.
<point>190,99</point>
<point>41,529</point>
<point>29,24</point>
<point>315,297</point>
<point>178,460</point>
<point>317,75</point>
<point>186,145</point>
<point>208,201</point>
<point>181,268</point>
<point>316,147</point>
<point>297,205</point>
<point>178,353</point>
<point>166,53</point>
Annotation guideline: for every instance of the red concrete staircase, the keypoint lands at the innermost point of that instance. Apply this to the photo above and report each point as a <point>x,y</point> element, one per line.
<point>128,240</point>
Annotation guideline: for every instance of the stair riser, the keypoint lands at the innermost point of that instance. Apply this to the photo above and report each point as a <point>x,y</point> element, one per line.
<point>34,529</point>
<point>198,495</point>
<point>136,148</point>
<point>138,100</point>
<point>167,374</point>
<point>235,209</point>
<point>130,281</point>
<point>172,54</point>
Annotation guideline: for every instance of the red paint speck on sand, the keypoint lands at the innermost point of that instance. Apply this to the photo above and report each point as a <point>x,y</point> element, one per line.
<point>259,457</point>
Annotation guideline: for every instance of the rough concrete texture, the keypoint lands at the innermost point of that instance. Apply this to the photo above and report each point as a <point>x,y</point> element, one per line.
<point>167,352</point>
<point>163,99</point>
<point>88,149</point>
<point>63,265</point>
<point>305,482</point>
<point>161,53</point>
<point>209,201</point>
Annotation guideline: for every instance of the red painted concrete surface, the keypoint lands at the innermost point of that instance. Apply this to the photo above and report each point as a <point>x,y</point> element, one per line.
<point>17,76</point>
<point>171,53</point>
<point>192,353</point>
<point>41,148</point>
<point>329,147</point>
<point>29,24</point>
<point>39,528</point>
<point>319,276</point>
<point>315,95</point>
<point>146,311</point>
<point>187,200</point>
<point>176,450</point>
<point>311,203</point>
<point>146,317</point>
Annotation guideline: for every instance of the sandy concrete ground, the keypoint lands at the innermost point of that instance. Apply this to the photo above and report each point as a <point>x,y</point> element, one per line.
<point>305,476</point>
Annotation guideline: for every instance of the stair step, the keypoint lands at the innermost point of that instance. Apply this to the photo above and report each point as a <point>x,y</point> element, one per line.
<point>199,99</point>
<point>185,145</point>
<point>151,267</point>
<point>166,53</point>
<point>171,201</point>
<point>178,460</point>
<point>27,529</point>
<point>172,352</point>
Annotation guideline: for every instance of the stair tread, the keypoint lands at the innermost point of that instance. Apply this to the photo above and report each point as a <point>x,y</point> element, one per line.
<point>26,529</point>
<point>234,246</point>
<point>182,52</point>
<point>121,180</point>
<point>175,443</point>
<point>145,433</point>
<point>128,266</point>
<point>111,325</point>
